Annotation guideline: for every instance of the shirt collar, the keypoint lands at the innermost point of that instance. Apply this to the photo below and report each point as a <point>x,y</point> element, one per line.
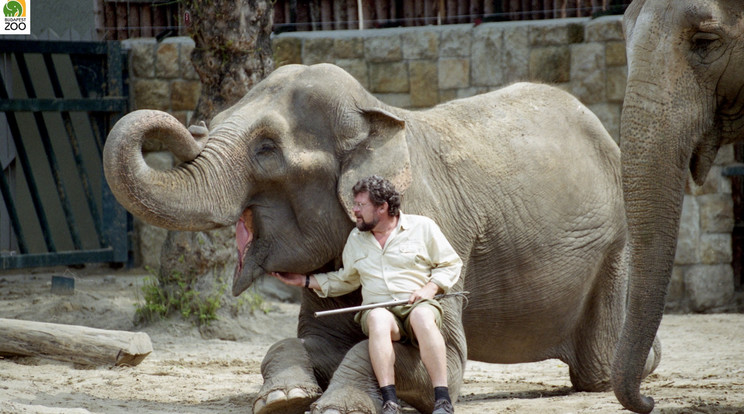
<point>403,221</point>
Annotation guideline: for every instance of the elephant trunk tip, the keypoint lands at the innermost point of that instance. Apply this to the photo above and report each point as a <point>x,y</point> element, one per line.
<point>630,396</point>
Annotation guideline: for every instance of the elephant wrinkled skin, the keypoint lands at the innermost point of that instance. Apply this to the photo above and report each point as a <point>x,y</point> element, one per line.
<point>683,100</point>
<point>524,182</point>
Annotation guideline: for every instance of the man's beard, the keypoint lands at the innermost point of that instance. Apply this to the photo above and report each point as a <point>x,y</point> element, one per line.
<point>367,226</point>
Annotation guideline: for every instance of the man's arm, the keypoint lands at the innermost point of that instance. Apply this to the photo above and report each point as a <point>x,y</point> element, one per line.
<point>297,279</point>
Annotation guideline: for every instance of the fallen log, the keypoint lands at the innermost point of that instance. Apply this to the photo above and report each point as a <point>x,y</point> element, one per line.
<point>73,343</point>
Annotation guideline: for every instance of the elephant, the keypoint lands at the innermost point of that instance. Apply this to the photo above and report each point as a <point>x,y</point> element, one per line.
<point>523,181</point>
<point>683,101</point>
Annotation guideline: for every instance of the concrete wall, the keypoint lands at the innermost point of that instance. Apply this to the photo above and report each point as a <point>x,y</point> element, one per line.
<point>422,66</point>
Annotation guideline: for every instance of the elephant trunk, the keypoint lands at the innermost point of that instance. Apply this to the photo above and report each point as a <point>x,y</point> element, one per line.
<point>196,195</point>
<point>655,160</point>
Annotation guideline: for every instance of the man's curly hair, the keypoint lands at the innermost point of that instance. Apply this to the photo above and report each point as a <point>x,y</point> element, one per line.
<point>380,191</point>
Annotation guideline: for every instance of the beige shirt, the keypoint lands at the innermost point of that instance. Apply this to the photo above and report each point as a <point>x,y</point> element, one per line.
<point>416,252</point>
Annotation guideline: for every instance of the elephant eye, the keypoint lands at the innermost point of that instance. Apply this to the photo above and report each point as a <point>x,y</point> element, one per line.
<point>265,148</point>
<point>703,43</point>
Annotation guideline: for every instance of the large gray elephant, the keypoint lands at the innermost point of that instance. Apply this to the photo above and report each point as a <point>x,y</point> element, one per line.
<point>524,182</point>
<point>684,99</point>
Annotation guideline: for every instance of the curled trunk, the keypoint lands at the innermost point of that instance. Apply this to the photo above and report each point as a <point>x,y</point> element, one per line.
<point>200,194</point>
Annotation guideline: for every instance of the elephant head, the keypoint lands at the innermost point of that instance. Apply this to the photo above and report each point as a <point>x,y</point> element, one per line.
<point>279,165</point>
<point>684,99</point>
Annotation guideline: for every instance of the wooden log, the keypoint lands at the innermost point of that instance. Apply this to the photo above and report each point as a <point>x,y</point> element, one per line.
<point>73,343</point>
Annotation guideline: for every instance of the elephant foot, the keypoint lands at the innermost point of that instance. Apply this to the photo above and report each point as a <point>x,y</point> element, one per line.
<point>346,400</point>
<point>289,400</point>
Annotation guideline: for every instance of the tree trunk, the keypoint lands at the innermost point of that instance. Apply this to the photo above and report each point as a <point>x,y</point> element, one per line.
<point>72,343</point>
<point>232,53</point>
<point>232,50</point>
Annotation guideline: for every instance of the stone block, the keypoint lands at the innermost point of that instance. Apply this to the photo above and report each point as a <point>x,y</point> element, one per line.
<point>349,48</point>
<point>356,68</point>
<point>588,72</point>
<point>617,79</point>
<point>420,44</point>
<point>454,73</point>
<point>725,155</point>
<point>609,114</point>
<point>716,213</point>
<point>709,287</point>
<point>383,48</point>
<point>151,94</point>
<point>185,94</point>
<point>472,91</point>
<point>715,248</point>
<point>187,67</point>
<point>150,244</point>
<point>688,250</point>
<point>446,95</point>
<point>287,51</point>
<point>317,50</point>
<point>167,64</point>
<point>551,64</point>
<point>714,182</point>
<point>143,59</point>
<point>615,54</point>
<point>455,41</point>
<point>400,100</point>
<point>605,28</point>
<point>390,77</point>
<point>676,291</point>
<point>424,83</point>
<point>515,58</point>
<point>485,66</point>
<point>555,32</point>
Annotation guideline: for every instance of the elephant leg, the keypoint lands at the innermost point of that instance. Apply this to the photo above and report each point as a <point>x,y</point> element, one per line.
<point>590,363</point>
<point>289,384</point>
<point>354,388</point>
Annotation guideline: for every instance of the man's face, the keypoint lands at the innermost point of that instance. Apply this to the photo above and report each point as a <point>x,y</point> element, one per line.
<point>366,212</point>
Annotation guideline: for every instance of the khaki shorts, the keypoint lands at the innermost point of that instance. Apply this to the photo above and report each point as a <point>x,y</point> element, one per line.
<point>401,314</point>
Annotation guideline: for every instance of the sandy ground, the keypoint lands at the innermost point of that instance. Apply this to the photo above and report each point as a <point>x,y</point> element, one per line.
<point>702,368</point>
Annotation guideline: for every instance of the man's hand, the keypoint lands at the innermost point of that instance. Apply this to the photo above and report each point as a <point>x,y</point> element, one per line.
<point>292,279</point>
<point>427,292</point>
<point>296,279</point>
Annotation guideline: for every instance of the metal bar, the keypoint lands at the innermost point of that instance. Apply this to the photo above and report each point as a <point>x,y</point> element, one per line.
<point>82,171</point>
<point>45,46</point>
<point>380,305</point>
<point>733,170</point>
<point>12,211</point>
<point>51,157</point>
<point>117,219</point>
<point>33,189</point>
<point>56,259</point>
<point>106,104</point>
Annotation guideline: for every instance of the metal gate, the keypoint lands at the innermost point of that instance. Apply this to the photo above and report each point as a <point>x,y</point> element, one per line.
<point>57,102</point>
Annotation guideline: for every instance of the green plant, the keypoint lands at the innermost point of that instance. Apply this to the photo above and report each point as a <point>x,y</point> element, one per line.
<point>177,295</point>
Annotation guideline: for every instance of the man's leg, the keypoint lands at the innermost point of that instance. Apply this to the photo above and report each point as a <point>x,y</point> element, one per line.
<point>431,344</point>
<point>383,330</point>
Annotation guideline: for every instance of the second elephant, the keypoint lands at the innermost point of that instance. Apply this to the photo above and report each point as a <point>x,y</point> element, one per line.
<point>524,182</point>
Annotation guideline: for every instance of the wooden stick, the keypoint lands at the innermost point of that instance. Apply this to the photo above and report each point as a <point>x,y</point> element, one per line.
<point>73,343</point>
<point>379,305</point>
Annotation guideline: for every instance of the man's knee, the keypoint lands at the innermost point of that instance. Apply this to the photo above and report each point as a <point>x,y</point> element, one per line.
<point>423,317</point>
<point>380,320</point>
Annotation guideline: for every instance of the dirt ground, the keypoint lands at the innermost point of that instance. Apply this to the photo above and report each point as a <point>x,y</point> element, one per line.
<point>702,367</point>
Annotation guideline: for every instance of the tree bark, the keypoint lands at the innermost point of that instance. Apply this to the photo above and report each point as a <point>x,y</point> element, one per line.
<point>73,343</point>
<point>232,50</point>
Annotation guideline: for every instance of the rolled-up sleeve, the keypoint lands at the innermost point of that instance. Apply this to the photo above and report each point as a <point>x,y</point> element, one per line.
<point>342,281</point>
<point>446,263</point>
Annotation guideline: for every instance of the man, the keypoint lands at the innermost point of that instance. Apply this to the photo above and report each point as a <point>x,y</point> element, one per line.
<point>394,256</point>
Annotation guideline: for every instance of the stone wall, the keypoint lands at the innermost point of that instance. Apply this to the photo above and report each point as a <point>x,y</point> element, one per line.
<point>422,66</point>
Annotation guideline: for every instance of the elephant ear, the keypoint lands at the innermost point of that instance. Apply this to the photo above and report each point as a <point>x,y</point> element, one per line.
<point>382,150</point>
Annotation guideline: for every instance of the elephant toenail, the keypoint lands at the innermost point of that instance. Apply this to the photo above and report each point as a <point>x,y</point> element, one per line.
<point>296,393</point>
<point>275,396</point>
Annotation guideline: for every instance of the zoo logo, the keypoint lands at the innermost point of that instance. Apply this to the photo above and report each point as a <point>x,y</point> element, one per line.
<point>17,17</point>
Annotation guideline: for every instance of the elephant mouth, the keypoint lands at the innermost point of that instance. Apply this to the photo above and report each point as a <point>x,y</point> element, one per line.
<point>244,233</point>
